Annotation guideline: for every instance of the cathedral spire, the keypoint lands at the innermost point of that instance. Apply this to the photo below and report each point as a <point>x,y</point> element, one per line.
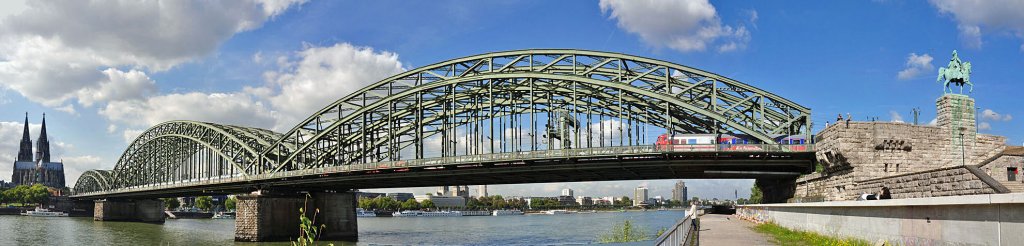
<point>43,144</point>
<point>25,151</point>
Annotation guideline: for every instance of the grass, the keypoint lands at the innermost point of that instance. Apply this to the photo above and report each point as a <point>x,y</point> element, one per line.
<point>786,236</point>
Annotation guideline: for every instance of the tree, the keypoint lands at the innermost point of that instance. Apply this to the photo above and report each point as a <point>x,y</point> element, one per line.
<point>410,204</point>
<point>231,203</point>
<point>624,202</point>
<point>37,194</point>
<point>204,202</point>
<point>755,195</point>
<point>171,203</point>
<point>427,204</point>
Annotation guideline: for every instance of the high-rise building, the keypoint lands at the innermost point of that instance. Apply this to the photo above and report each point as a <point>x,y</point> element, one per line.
<point>37,170</point>
<point>458,190</point>
<point>481,191</point>
<point>679,192</point>
<point>567,192</point>
<point>640,196</point>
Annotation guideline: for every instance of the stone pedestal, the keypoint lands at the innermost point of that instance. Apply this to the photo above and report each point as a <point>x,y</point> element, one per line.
<point>149,211</point>
<point>956,116</point>
<point>275,217</point>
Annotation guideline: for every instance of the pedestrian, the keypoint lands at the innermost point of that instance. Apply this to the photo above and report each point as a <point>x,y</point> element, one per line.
<point>885,194</point>
<point>839,118</point>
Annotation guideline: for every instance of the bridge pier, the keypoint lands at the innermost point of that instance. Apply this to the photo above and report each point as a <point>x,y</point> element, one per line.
<point>263,216</point>
<point>148,210</point>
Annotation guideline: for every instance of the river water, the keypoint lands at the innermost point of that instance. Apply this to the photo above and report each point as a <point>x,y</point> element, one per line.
<point>564,229</point>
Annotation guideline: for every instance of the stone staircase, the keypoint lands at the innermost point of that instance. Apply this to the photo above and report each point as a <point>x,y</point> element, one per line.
<point>1014,186</point>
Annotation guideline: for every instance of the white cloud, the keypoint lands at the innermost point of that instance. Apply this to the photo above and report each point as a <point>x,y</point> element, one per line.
<point>54,51</point>
<point>233,109</point>
<point>895,117</point>
<point>319,76</point>
<point>915,65</point>
<point>984,126</point>
<point>686,25</point>
<point>934,122</point>
<point>989,114</point>
<point>977,17</point>
<point>118,86</point>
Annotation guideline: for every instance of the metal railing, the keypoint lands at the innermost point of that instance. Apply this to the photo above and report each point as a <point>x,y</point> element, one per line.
<point>685,232</point>
<point>474,159</point>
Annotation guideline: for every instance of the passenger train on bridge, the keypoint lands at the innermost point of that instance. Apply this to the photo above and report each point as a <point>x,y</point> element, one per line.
<point>727,142</point>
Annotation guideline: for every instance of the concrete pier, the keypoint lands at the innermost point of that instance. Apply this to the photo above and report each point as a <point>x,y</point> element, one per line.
<point>149,210</point>
<point>266,216</point>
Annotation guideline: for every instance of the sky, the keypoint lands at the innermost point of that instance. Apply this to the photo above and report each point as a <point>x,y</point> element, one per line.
<point>104,71</point>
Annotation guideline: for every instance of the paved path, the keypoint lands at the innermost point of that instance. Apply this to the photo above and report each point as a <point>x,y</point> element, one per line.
<point>718,229</point>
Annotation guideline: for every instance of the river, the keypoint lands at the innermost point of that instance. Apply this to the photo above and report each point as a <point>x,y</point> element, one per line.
<point>564,229</point>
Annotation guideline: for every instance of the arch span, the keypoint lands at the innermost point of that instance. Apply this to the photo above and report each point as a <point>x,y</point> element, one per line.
<point>466,98</point>
<point>183,151</point>
<point>511,102</point>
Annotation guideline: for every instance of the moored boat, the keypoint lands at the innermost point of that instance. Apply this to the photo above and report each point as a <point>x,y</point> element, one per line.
<point>42,212</point>
<point>506,212</point>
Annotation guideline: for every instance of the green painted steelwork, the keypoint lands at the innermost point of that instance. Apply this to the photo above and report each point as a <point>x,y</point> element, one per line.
<point>494,104</point>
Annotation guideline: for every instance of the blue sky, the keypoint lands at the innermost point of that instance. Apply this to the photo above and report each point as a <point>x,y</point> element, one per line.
<point>105,71</point>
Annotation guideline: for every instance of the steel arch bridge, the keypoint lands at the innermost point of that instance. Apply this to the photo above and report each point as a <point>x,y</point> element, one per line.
<point>524,106</point>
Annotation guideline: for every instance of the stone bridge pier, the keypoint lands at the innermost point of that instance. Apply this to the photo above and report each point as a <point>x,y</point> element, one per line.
<point>274,216</point>
<point>138,210</point>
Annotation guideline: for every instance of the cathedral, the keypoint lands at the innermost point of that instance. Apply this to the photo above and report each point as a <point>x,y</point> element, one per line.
<point>38,169</point>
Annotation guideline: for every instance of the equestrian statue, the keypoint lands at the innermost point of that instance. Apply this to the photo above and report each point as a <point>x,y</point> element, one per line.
<point>957,72</point>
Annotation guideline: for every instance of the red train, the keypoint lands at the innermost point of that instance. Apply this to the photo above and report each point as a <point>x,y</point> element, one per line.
<point>725,142</point>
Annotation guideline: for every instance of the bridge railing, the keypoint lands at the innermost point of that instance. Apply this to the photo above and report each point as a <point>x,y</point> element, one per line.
<point>685,232</point>
<point>484,158</point>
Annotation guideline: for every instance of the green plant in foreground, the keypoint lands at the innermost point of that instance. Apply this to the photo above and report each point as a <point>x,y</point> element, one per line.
<point>786,236</point>
<point>625,232</point>
<point>309,232</point>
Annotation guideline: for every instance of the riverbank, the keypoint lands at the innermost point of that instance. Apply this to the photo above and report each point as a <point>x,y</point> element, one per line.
<point>785,236</point>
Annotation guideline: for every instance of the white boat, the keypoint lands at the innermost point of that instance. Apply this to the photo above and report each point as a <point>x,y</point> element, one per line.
<point>363,213</point>
<point>42,212</point>
<point>407,213</point>
<point>417,213</point>
<point>506,212</point>
<point>224,215</point>
<point>442,214</point>
<point>558,211</point>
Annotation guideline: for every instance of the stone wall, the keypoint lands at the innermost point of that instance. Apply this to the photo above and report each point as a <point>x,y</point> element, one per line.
<point>947,181</point>
<point>997,169</point>
<point>853,153</point>
<point>996,219</point>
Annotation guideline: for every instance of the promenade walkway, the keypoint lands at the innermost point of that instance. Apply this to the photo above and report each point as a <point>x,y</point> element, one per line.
<point>719,229</point>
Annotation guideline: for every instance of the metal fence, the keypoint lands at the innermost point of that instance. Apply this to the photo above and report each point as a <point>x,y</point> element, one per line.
<point>685,232</point>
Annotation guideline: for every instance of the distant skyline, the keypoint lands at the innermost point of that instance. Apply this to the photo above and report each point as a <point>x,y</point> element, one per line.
<point>104,71</point>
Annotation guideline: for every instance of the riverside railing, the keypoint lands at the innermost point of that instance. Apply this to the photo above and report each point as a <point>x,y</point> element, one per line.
<point>685,232</point>
<point>473,159</point>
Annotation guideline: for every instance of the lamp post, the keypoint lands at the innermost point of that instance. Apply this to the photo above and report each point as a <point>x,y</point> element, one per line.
<point>963,151</point>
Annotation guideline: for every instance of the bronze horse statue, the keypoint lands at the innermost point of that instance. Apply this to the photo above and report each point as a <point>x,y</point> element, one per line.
<point>957,72</point>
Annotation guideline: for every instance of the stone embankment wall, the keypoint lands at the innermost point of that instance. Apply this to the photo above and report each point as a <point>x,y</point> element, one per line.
<point>947,181</point>
<point>996,219</point>
<point>912,160</point>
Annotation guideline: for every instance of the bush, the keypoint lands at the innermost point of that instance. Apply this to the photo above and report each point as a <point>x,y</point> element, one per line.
<point>625,232</point>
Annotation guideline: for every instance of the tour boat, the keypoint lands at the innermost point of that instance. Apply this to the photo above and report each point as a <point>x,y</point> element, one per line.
<point>417,213</point>
<point>559,211</point>
<point>363,213</point>
<point>506,212</point>
<point>224,215</point>
<point>42,212</point>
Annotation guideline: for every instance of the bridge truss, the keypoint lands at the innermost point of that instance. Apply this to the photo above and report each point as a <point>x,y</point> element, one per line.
<point>483,105</point>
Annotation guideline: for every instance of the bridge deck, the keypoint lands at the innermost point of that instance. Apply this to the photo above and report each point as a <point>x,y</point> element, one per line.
<point>570,165</point>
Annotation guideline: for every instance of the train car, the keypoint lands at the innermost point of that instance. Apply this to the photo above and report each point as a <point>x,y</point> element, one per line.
<point>794,142</point>
<point>739,142</point>
<point>686,142</point>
